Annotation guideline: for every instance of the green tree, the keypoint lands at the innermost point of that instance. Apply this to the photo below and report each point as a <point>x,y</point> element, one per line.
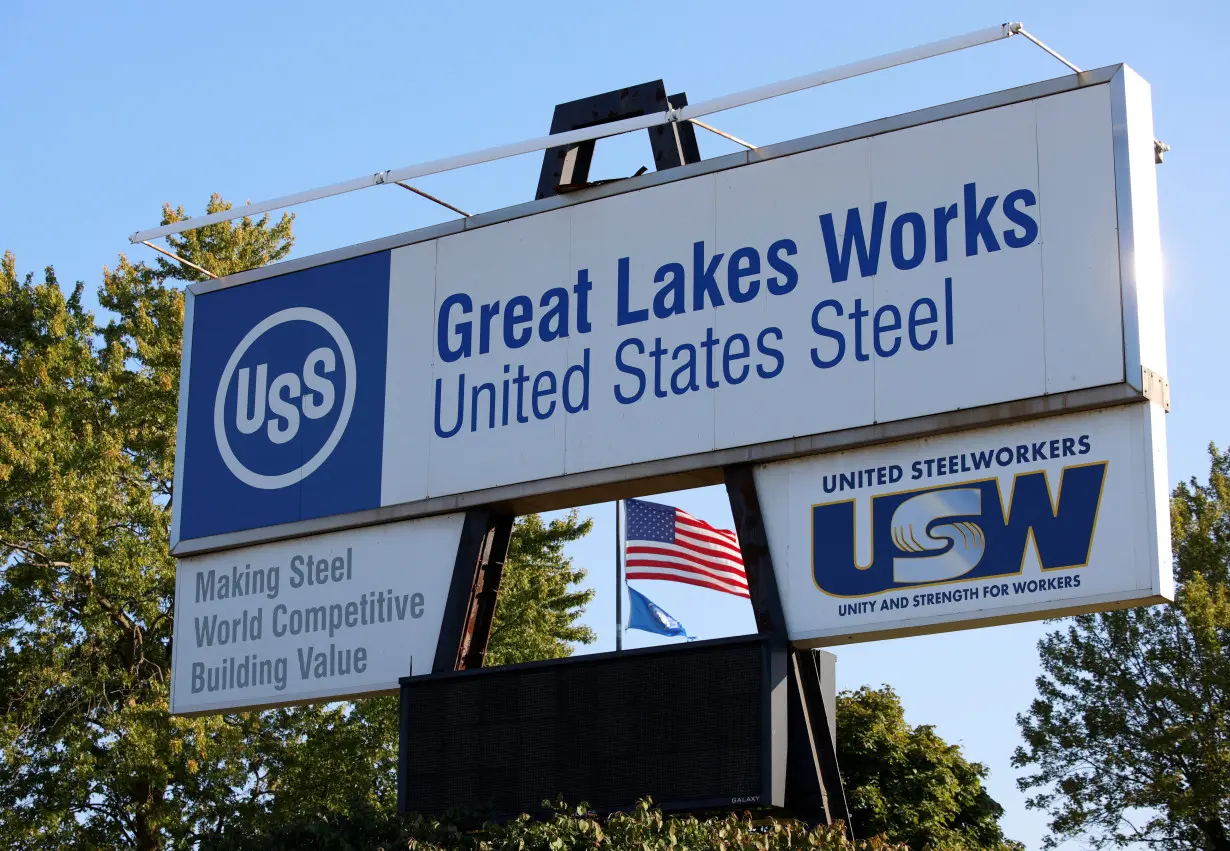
<point>907,783</point>
<point>644,828</point>
<point>1130,734</point>
<point>539,603</point>
<point>89,755</point>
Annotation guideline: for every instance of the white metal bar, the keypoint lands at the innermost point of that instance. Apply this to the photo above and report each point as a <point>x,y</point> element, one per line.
<point>853,69</point>
<point>722,133</point>
<point>500,152</point>
<point>431,197</point>
<point>1020,30</point>
<point>600,131</point>
<point>180,259</point>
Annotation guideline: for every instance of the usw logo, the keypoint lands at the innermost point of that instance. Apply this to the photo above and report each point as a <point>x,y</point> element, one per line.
<point>958,531</point>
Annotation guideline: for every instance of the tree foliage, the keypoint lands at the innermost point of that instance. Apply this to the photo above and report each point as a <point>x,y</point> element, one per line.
<point>907,783</point>
<point>539,602</point>
<point>89,755</point>
<point>1129,737</point>
<point>644,828</point>
<point>87,430</point>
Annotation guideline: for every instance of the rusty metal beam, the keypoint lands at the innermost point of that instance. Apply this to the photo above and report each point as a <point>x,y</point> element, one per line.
<point>469,610</point>
<point>754,542</point>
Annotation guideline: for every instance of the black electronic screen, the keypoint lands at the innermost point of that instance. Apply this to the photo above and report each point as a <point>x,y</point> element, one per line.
<point>687,725</point>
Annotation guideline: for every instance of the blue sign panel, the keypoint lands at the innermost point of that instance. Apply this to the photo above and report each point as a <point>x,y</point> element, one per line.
<point>286,417</point>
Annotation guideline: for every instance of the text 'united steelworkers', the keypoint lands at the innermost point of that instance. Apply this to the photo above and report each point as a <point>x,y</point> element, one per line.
<point>702,279</point>
<point>315,625</point>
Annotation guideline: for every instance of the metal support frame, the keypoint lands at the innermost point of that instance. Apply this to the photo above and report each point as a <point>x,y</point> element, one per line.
<point>813,779</point>
<point>472,652</point>
<point>469,610</point>
<point>613,128</point>
<point>757,561</point>
<point>565,168</point>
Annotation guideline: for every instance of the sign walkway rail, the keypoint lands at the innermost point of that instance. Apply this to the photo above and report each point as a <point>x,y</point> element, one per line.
<point>614,128</point>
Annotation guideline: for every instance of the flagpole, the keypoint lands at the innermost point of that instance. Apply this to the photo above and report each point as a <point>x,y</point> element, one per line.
<point>619,591</point>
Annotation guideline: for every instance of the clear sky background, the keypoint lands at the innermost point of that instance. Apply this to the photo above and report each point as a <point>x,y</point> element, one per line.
<point>113,108</point>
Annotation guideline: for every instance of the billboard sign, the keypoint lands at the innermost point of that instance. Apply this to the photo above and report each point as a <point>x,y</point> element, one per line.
<point>988,253</point>
<point>329,616</point>
<point>1039,519</point>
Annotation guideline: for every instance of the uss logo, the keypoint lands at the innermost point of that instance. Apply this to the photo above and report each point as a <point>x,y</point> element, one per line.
<point>960,531</point>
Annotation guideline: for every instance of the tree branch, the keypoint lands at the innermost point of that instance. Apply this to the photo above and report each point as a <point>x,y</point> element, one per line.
<point>117,614</point>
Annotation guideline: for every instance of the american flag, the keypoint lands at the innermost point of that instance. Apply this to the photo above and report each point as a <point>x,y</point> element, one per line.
<point>664,542</point>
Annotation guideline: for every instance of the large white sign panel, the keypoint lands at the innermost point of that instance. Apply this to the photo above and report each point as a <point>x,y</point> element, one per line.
<point>1002,254</point>
<point>341,614</point>
<point>1056,516</point>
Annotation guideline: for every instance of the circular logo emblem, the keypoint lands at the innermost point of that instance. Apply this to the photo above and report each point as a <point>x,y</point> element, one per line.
<point>285,398</point>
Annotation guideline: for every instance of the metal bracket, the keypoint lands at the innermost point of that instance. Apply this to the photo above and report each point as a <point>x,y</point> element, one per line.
<point>1155,387</point>
<point>566,168</point>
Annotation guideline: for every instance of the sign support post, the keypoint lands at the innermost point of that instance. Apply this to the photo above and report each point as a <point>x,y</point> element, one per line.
<point>470,609</point>
<point>813,779</point>
<point>619,589</point>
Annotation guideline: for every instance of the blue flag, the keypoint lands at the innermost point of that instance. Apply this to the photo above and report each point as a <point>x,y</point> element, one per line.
<point>647,615</point>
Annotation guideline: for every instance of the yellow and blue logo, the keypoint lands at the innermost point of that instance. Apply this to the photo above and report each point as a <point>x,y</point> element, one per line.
<point>958,532</point>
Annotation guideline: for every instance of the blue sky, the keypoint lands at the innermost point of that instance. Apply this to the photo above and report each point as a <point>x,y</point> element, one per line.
<point>114,108</point>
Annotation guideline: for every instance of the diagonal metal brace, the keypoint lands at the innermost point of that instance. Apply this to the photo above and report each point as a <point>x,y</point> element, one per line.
<point>174,256</point>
